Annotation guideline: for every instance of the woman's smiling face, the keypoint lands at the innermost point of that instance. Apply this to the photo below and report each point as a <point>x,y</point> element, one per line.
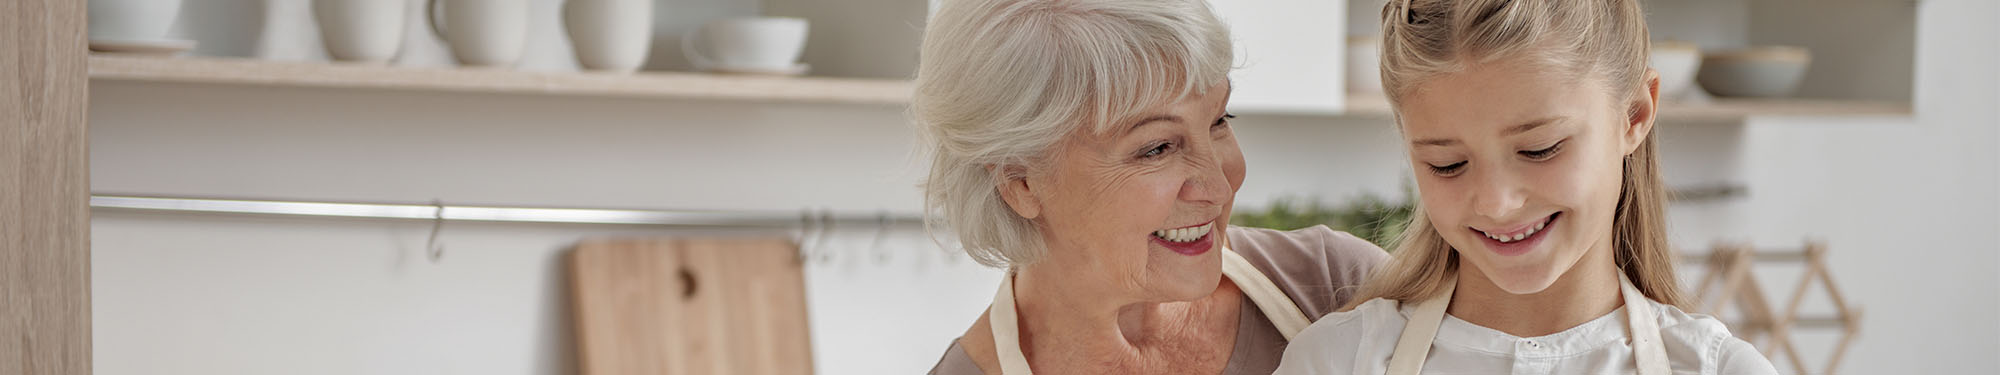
<point>1142,207</point>
<point>1519,170</point>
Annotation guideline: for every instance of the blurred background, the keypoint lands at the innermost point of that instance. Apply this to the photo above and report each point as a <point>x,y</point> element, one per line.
<point>1834,159</point>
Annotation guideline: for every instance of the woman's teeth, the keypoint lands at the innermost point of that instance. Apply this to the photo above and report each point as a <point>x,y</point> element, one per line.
<point>1189,234</point>
<point>1517,236</point>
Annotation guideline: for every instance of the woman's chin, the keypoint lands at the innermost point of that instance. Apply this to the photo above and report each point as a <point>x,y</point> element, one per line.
<point>1188,286</point>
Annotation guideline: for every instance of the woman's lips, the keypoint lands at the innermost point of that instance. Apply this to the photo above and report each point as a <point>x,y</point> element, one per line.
<point>1194,240</point>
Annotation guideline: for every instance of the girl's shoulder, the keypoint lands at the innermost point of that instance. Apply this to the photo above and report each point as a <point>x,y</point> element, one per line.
<point>1356,341</point>
<point>1707,342</point>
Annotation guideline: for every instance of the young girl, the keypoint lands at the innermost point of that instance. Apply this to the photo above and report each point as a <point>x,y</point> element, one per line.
<point>1538,246</point>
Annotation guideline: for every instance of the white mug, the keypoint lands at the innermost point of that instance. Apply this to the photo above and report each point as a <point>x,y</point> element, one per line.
<point>610,35</point>
<point>482,32</point>
<point>132,20</point>
<point>749,44</point>
<point>361,30</point>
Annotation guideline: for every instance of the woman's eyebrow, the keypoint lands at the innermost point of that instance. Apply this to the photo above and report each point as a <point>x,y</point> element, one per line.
<point>1153,119</point>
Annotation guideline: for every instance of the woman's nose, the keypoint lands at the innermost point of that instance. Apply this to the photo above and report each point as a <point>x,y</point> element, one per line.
<point>1207,184</point>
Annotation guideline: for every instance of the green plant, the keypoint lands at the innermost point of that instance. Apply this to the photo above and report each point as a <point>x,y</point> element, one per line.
<point>1368,216</point>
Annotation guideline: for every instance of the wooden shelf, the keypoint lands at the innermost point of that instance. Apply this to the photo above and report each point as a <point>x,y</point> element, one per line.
<point>1716,110</point>
<point>766,88</point>
<point>646,84</point>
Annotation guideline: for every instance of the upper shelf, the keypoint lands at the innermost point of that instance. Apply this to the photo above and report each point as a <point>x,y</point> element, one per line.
<point>757,88</point>
<point>1715,110</point>
<point>647,84</point>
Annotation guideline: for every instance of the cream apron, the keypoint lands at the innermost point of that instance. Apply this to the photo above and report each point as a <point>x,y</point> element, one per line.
<point>1415,344</point>
<point>1284,314</point>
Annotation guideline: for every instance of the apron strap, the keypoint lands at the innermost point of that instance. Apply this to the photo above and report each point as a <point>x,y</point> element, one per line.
<point>1415,344</point>
<point>1283,313</point>
<point>1647,349</point>
<point>1643,328</point>
<point>1006,330</point>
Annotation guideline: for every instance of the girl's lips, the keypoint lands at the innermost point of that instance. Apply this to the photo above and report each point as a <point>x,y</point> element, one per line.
<point>1524,245</point>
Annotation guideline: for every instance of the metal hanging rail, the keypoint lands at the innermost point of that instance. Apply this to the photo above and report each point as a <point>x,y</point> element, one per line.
<point>438,211</point>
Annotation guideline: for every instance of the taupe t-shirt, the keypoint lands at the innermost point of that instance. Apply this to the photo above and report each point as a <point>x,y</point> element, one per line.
<point>1317,267</point>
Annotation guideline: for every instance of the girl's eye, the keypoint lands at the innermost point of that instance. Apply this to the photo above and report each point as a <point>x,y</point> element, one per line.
<point>1543,154</point>
<point>1158,150</point>
<point>1448,170</point>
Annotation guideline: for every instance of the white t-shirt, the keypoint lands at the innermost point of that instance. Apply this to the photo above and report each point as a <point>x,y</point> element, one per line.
<point>1360,341</point>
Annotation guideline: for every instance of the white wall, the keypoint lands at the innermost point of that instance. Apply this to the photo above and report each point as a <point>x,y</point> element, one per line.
<point>1908,205</point>
<point>205,294</point>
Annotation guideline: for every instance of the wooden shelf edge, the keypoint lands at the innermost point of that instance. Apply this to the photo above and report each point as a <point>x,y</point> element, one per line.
<point>476,80</point>
<point>1716,110</point>
<point>890,92</point>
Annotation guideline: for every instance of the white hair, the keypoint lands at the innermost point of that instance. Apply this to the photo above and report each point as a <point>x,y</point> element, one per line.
<point>1001,82</point>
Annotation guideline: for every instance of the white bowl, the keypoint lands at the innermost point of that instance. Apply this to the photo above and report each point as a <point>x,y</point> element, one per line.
<point>1677,63</point>
<point>132,20</point>
<point>1765,72</point>
<point>1364,65</point>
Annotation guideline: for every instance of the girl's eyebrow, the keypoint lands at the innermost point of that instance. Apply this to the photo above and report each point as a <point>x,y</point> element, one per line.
<point>1512,130</point>
<point>1531,125</point>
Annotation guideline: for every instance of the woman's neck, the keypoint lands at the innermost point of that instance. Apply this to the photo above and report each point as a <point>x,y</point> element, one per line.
<point>1098,325</point>
<point>1589,290</point>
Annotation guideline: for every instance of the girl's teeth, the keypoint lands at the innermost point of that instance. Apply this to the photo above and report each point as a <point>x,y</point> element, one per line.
<point>1516,237</point>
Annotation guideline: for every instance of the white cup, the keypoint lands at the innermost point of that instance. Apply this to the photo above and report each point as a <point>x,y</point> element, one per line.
<point>748,44</point>
<point>482,32</point>
<point>132,20</point>
<point>610,35</point>
<point>361,30</point>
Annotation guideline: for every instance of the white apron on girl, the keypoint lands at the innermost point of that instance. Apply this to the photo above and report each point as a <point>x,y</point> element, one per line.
<point>1415,344</point>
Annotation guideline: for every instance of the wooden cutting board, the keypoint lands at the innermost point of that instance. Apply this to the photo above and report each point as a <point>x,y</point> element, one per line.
<point>689,305</point>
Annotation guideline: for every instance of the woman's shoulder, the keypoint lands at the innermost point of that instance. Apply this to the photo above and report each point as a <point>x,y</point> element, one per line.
<point>1353,341</point>
<point>1318,267</point>
<point>1705,342</point>
<point>956,362</point>
<point>970,354</point>
<point>1316,241</point>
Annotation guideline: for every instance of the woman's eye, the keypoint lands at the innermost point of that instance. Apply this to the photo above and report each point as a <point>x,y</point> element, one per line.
<point>1449,169</point>
<point>1158,150</point>
<point>1543,154</point>
<point>1222,121</point>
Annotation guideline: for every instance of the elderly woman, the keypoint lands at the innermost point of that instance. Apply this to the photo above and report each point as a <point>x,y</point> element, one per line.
<point>1083,146</point>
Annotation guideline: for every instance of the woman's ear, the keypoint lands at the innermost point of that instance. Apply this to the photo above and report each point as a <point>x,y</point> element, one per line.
<point>1642,113</point>
<point>1014,189</point>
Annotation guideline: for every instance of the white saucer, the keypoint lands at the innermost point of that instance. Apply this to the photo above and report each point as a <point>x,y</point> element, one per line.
<point>142,47</point>
<point>794,70</point>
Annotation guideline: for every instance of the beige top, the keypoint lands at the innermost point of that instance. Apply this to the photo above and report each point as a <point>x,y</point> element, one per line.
<point>1317,267</point>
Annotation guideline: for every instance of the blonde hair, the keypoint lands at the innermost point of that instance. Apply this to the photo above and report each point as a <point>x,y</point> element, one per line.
<point>1602,39</point>
<point>1000,82</point>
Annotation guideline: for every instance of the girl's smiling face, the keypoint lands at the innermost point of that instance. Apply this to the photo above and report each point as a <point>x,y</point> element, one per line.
<point>1519,169</point>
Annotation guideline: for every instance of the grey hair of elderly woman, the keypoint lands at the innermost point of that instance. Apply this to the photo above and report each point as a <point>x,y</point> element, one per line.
<point>1002,82</point>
